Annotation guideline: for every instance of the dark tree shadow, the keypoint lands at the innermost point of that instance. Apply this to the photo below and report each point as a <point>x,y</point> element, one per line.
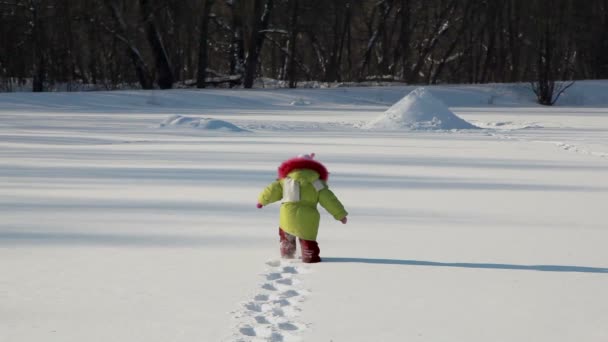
<point>543,268</point>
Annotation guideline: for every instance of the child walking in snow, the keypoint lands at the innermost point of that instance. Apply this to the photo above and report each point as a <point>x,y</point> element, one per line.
<point>302,183</point>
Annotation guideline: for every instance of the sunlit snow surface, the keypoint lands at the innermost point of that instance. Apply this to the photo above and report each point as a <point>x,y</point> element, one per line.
<point>117,229</point>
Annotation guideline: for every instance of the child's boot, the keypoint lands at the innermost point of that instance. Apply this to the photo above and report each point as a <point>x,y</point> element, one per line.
<point>288,245</point>
<point>310,251</point>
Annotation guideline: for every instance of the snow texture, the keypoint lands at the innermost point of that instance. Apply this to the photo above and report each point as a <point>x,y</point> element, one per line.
<point>419,110</point>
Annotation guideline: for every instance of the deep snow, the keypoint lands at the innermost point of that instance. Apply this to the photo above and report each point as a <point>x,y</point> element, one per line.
<point>114,228</point>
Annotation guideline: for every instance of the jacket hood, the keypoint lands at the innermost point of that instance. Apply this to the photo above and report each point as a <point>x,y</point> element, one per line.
<point>301,163</point>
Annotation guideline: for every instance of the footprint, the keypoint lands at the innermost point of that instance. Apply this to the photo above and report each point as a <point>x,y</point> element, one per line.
<point>290,293</point>
<point>274,276</point>
<point>261,320</point>
<point>276,337</point>
<point>282,302</point>
<point>290,269</point>
<point>269,287</point>
<point>247,331</point>
<point>287,326</point>
<point>285,281</point>
<point>278,312</point>
<point>253,307</point>
<point>261,297</point>
<point>264,331</point>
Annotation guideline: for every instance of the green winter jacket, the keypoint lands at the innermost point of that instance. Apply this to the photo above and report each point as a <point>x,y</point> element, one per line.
<point>300,191</point>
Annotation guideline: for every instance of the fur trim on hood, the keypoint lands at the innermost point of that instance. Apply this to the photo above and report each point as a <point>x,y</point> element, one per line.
<point>302,163</point>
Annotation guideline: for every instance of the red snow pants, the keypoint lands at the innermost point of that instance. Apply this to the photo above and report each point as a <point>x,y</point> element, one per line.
<point>310,249</point>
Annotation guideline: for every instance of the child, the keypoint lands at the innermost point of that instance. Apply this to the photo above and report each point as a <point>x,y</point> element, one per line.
<point>302,183</point>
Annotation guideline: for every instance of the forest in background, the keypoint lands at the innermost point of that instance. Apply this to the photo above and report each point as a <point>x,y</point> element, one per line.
<point>231,43</point>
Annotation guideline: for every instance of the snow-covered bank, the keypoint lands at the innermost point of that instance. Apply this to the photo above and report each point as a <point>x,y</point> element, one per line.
<point>115,229</point>
<point>182,101</point>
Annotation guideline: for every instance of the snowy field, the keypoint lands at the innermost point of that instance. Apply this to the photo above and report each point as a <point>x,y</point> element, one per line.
<point>122,221</point>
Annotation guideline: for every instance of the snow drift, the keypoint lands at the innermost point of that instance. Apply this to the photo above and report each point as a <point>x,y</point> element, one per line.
<point>201,123</point>
<point>419,110</point>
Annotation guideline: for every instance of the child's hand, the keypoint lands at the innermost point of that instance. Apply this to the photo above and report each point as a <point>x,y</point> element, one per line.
<point>259,206</point>
<point>344,220</point>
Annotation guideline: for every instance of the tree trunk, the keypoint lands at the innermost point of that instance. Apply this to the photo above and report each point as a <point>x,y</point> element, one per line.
<point>341,27</point>
<point>203,42</point>
<point>438,31</point>
<point>164,72</point>
<point>237,50</point>
<point>141,69</point>
<point>260,20</point>
<point>38,52</point>
<point>467,13</point>
<point>384,11</point>
<point>291,66</point>
<point>402,52</point>
<point>490,49</point>
<point>514,42</point>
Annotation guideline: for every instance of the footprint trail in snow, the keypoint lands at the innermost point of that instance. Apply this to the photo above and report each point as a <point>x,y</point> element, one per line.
<point>271,315</point>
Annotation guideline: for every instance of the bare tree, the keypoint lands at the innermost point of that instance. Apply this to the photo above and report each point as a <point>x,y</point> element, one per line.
<point>116,42</point>
<point>554,52</point>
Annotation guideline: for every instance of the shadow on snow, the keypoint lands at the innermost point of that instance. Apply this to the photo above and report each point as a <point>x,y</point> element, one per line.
<point>543,268</point>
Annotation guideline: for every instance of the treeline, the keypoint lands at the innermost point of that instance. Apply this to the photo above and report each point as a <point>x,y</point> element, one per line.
<point>203,43</point>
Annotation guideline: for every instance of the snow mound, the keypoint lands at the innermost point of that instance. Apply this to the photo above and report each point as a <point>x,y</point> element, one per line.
<point>300,102</point>
<point>201,123</point>
<point>419,110</point>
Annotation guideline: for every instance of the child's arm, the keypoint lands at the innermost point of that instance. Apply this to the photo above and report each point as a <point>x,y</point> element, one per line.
<point>271,194</point>
<point>330,202</point>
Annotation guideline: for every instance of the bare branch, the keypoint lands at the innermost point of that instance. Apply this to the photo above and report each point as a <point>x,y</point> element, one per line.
<point>562,87</point>
<point>302,67</point>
